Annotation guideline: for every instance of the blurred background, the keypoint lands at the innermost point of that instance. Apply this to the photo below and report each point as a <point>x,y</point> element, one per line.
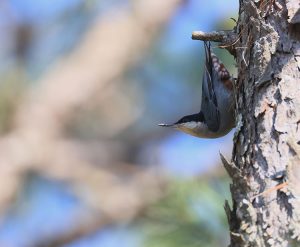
<point>83,85</point>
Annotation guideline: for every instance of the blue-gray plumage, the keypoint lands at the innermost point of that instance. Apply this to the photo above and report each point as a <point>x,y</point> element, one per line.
<point>216,117</point>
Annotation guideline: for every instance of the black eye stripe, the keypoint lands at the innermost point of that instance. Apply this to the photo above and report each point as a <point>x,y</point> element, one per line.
<point>199,117</point>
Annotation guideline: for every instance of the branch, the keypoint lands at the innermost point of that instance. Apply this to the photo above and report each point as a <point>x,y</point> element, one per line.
<point>216,36</point>
<point>226,38</point>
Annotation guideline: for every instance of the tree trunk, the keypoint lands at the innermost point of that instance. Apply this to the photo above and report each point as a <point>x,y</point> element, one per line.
<point>266,44</point>
<point>267,138</point>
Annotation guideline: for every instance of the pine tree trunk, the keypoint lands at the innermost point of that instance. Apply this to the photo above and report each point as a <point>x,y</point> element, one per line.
<point>267,138</point>
<point>266,44</point>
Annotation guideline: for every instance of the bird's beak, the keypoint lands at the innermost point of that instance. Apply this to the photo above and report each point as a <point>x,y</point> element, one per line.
<point>167,125</point>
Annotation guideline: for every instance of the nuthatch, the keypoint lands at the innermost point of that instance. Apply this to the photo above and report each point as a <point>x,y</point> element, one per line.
<point>217,115</point>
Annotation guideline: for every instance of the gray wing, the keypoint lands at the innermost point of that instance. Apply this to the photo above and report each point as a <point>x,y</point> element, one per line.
<point>209,104</point>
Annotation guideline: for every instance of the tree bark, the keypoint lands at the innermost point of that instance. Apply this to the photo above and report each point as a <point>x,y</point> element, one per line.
<point>267,138</point>
<point>265,165</point>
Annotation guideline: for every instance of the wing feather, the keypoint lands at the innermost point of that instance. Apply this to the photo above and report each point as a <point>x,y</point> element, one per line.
<point>209,103</point>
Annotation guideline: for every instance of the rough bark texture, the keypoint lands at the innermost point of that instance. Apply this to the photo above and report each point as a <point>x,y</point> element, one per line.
<point>267,139</point>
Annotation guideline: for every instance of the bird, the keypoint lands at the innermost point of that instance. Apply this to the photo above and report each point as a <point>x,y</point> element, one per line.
<point>217,111</point>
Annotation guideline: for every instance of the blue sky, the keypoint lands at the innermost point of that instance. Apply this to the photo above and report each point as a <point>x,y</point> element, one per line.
<point>49,206</point>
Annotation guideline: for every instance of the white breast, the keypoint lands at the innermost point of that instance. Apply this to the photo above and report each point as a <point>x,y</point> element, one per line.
<point>197,129</point>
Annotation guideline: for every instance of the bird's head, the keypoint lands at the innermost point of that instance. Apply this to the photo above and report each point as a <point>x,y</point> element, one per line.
<point>191,124</point>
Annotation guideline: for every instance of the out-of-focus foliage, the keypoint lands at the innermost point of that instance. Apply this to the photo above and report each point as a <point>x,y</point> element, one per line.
<point>190,215</point>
